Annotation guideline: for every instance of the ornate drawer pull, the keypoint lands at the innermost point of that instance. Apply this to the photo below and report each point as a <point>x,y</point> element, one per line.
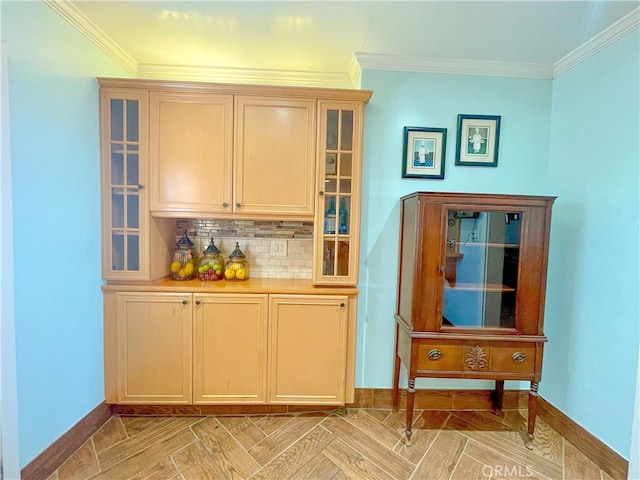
<point>518,357</point>
<point>434,354</point>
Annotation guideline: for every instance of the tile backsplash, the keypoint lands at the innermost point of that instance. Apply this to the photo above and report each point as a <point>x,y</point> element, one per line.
<point>255,239</point>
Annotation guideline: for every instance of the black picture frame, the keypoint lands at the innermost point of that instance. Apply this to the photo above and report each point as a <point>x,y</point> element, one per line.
<point>424,151</point>
<point>478,140</point>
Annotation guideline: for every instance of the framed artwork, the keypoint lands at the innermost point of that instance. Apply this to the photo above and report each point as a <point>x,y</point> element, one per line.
<point>424,152</point>
<point>477,140</point>
<point>331,163</point>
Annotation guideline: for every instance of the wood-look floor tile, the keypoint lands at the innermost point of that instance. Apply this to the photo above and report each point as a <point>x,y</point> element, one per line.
<point>82,464</point>
<point>195,462</point>
<point>516,451</point>
<point>605,475</point>
<point>499,465</point>
<point>353,464</point>
<point>319,467</point>
<point>424,431</point>
<point>441,459</point>
<point>288,463</point>
<point>577,466</point>
<point>163,470</point>
<point>143,439</point>
<point>134,425</point>
<point>224,449</point>
<point>476,420</point>
<point>372,427</point>
<point>53,476</point>
<point>243,430</point>
<point>152,459</point>
<point>282,438</point>
<point>270,423</point>
<point>112,432</point>
<point>385,458</point>
<point>378,413</point>
<point>470,469</point>
<point>546,442</point>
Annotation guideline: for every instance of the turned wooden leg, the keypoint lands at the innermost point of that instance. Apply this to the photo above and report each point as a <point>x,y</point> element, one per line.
<point>396,376</point>
<point>411,393</point>
<point>497,396</point>
<point>533,412</point>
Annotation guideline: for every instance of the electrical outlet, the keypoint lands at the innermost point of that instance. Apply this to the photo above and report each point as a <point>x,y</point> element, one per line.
<point>474,236</point>
<point>278,248</point>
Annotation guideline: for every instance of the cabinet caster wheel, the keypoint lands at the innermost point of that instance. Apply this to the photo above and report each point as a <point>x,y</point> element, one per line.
<point>529,442</point>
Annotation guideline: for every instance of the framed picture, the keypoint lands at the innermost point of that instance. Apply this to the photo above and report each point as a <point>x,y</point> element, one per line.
<point>331,164</point>
<point>477,141</point>
<point>424,152</point>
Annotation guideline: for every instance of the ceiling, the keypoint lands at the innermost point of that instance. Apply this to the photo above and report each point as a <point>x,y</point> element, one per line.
<point>326,43</point>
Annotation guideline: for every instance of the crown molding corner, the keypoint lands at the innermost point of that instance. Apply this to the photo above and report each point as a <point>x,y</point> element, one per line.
<point>355,72</point>
<point>244,75</point>
<point>77,19</point>
<point>373,61</point>
<point>609,35</point>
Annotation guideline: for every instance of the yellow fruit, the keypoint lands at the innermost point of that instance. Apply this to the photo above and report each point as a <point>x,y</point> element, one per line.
<point>188,268</point>
<point>229,274</point>
<point>182,273</point>
<point>175,267</point>
<point>236,266</point>
<point>241,274</point>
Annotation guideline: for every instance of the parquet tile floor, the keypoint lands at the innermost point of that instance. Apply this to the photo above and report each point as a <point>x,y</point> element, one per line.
<point>356,444</point>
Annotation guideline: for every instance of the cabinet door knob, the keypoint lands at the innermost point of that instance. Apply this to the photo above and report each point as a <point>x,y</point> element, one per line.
<point>197,302</point>
<point>225,204</point>
<point>434,354</point>
<point>342,304</point>
<point>184,302</point>
<point>321,193</point>
<point>518,357</point>
<point>140,187</point>
<point>237,205</point>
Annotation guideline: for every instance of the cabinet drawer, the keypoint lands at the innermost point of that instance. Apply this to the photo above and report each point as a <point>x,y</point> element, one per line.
<point>440,356</point>
<point>513,358</point>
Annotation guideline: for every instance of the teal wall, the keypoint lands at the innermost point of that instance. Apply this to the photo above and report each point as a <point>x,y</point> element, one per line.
<point>592,296</point>
<point>53,96</point>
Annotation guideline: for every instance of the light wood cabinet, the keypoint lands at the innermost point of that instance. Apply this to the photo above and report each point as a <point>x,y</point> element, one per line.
<point>307,349</point>
<point>230,349</point>
<point>154,348</point>
<point>191,142</point>
<point>235,348</point>
<point>274,167</point>
<point>471,291</point>
<point>134,245</point>
<point>337,221</point>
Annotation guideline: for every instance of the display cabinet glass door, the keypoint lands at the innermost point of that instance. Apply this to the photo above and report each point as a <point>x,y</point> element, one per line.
<point>482,260</point>
<point>125,201</point>
<point>339,196</point>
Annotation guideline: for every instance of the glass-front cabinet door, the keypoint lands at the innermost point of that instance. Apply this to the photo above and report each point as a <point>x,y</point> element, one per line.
<point>124,199</point>
<point>481,268</point>
<point>336,238</point>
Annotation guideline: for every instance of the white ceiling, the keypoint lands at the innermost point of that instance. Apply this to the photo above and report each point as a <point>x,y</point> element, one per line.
<point>314,42</point>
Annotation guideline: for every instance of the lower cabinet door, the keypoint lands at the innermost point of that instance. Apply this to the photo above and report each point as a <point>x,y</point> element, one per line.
<point>230,349</point>
<point>154,348</point>
<point>307,349</point>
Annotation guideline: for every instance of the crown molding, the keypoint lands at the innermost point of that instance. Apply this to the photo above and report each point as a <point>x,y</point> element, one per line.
<point>355,72</point>
<point>76,18</point>
<point>609,35</point>
<point>244,75</point>
<point>374,61</point>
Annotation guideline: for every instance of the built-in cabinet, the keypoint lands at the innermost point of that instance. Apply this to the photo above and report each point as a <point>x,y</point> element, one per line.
<point>180,149</point>
<point>471,289</point>
<point>228,348</point>
<point>172,150</point>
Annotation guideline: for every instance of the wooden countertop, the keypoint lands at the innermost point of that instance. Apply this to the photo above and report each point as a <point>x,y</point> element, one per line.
<point>255,285</point>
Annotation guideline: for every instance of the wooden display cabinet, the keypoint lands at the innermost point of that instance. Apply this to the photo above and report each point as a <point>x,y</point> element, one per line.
<point>471,291</point>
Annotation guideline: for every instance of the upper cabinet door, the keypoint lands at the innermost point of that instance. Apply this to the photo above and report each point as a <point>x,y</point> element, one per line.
<point>124,141</point>
<point>191,153</point>
<point>274,168</point>
<point>337,220</point>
